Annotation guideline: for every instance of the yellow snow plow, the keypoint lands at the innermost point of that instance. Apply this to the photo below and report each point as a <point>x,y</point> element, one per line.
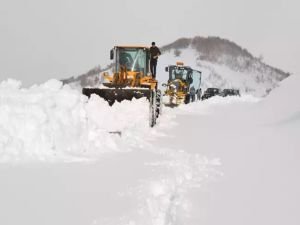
<point>130,79</point>
<point>183,85</point>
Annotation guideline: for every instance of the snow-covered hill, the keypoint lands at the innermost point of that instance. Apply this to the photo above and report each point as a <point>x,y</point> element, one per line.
<point>224,64</point>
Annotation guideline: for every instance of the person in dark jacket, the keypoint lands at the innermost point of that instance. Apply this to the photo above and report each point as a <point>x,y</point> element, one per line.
<point>154,53</point>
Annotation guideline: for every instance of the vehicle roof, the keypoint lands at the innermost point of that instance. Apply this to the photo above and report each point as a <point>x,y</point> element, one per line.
<point>131,46</point>
<point>185,67</point>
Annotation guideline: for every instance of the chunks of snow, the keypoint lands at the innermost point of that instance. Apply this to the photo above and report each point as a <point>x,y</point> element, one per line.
<point>54,121</point>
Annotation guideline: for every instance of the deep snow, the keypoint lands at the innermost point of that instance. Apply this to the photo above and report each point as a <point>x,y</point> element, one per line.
<point>221,161</point>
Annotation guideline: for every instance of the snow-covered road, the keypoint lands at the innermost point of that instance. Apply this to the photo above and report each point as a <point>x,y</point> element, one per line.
<point>146,185</point>
<point>220,161</point>
<point>259,152</point>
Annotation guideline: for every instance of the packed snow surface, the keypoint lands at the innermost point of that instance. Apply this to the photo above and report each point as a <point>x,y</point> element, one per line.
<point>67,159</point>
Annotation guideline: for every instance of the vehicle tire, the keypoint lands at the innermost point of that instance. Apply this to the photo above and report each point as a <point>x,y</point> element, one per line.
<point>193,98</point>
<point>199,95</point>
<point>152,108</point>
<point>158,103</point>
<point>187,99</point>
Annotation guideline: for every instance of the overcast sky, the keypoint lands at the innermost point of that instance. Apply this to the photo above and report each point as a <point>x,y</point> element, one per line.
<point>43,39</point>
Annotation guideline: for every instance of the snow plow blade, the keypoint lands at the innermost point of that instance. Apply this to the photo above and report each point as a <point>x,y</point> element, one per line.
<point>112,95</point>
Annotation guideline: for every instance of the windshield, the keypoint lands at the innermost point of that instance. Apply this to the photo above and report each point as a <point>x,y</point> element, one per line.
<point>134,59</point>
<point>179,73</point>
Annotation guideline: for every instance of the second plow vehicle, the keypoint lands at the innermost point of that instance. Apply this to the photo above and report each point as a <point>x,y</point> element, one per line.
<point>183,85</point>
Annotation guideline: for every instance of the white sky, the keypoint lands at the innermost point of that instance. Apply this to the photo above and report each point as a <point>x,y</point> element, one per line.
<point>43,39</point>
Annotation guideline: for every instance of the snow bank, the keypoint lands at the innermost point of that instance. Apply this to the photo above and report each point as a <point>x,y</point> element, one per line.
<point>52,121</point>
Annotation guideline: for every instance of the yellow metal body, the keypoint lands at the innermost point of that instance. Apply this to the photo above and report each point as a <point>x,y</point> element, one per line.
<point>177,89</point>
<point>183,84</point>
<point>130,79</point>
<point>176,95</point>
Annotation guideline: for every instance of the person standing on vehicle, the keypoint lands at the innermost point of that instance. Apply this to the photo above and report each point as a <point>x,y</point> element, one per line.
<point>154,53</point>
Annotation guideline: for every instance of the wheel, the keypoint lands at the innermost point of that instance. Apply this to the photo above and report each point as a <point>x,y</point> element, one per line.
<point>192,98</point>
<point>187,99</point>
<point>199,95</point>
<point>158,103</point>
<point>152,108</point>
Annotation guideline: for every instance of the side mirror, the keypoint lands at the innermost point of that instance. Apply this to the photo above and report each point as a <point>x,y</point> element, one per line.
<point>111,54</point>
<point>167,69</point>
<point>164,85</point>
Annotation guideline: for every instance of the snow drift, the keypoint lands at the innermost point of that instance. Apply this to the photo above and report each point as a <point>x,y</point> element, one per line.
<point>53,121</point>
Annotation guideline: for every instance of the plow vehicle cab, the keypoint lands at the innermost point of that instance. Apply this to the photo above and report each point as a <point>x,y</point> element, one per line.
<point>183,85</point>
<point>130,78</point>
